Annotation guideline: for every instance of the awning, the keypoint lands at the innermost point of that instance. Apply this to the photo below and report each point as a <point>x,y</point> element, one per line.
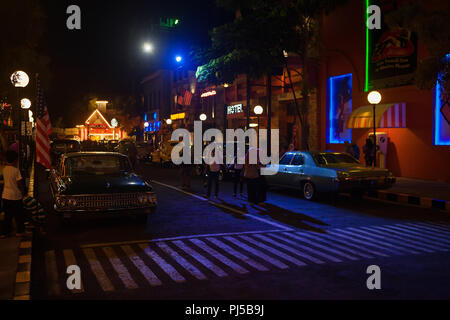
<point>391,115</point>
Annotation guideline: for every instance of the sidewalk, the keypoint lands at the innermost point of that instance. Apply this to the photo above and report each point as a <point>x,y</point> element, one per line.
<point>15,261</point>
<point>430,194</point>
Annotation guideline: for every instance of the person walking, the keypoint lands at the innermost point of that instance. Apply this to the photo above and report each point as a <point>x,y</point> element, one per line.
<point>13,192</point>
<point>213,177</point>
<point>237,176</point>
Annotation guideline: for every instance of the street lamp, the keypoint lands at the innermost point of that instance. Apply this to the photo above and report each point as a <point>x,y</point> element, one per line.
<point>203,117</point>
<point>374,98</point>
<point>178,59</point>
<point>20,79</point>
<point>114,124</point>
<point>258,110</point>
<point>169,121</point>
<point>25,103</point>
<point>147,47</point>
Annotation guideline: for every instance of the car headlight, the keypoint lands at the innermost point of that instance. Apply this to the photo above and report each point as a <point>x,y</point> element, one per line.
<point>61,202</point>
<point>142,199</point>
<point>72,202</point>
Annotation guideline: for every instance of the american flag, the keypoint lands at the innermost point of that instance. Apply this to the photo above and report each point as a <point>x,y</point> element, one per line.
<point>43,130</point>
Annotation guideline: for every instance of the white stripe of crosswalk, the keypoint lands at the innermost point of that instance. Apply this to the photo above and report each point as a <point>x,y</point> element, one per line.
<point>98,271</point>
<point>167,268</point>
<point>367,244</point>
<point>181,261</point>
<point>274,251</point>
<point>438,226</point>
<point>148,274</point>
<point>442,231</point>
<point>199,243</point>
<point>259,254</point>
<point>411,238</point>
<point>197,256</point>
<point>422,233</point>
<point>313,251</point>
<point>237,254</point>
<point>121,270</point>
<point>287,248</point>
<point>51,272</point>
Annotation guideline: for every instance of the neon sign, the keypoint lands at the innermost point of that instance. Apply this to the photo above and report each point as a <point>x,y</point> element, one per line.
<point>238,108</point>
<point>209,94</point>
<point>339,96</point>
<point>441,118</point>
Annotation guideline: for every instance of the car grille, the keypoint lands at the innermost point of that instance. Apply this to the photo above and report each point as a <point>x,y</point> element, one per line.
<point>106,201</point>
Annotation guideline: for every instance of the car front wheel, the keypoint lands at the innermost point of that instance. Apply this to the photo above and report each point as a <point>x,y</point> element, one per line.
<point>309,190</point>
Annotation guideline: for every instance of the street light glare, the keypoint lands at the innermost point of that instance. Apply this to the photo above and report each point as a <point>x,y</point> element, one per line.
<point>203,117</point>
<point>258,110</point>
<point>178,58</point>
<point>25,103</point>
<point>169,121</point>
<point>147,47</point>
<point>374,97</point>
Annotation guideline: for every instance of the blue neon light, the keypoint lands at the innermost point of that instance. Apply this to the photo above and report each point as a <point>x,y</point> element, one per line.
<point>441,126</point>
<point>333,135</point>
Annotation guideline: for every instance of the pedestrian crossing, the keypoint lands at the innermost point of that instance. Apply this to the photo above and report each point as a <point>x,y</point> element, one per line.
<point>205,258</point>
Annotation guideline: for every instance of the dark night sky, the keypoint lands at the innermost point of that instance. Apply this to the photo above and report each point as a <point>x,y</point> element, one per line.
<point>105,56</point>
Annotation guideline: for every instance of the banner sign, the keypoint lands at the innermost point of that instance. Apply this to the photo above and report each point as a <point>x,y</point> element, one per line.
<point>391,52</point>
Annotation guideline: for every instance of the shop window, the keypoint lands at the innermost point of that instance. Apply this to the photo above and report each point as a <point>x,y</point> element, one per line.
<point>339,97</point>
<point>441,117</point>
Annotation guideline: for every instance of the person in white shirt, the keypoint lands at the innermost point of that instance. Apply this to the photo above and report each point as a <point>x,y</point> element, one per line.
<point>12,196</point>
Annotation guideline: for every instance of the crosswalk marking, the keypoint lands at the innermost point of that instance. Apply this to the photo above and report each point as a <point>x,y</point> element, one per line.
<point>237,254</point>
<point>287,248</point>
<point>167,268</point>
<point>181,261</point>
<point>225,255</point>
<point>51,272</point>
<point>351,239</point>
<point>421,233</point>
<point>121,270</point>
<point>395,249</point>
<point>148,274</point>
<point>274,251</point>
<point>197,256</point>
<point>219,256</point>
<point>333,251</point>
<point>70,260</point>
<point>330,244</point>
<point>388,241</point>
<point>313,251</point>
<point>420,242</point>
<point>98,271</point>
<point>440,228</point>
<point>260,254</point>
<point>429,228</point>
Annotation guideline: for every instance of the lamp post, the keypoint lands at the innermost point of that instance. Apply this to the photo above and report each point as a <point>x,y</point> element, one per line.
<point>203,117</point>
<point>374,98</point>
<point>114,124</point>
<point>169,122</point>
<point>20,79</point>
<point>258,110</point>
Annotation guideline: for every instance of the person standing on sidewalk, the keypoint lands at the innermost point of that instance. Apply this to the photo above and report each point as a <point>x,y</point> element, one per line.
<point>213,177</point>
<point>13,192</point>
<point>252,177</point>
<point>237,176</point>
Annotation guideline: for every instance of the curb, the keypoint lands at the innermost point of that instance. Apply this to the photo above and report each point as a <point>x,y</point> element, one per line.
<point>22,287</point>
<point>410,199</point>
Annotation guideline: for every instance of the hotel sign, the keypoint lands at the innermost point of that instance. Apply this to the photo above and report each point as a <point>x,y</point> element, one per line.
<point>238,108</point>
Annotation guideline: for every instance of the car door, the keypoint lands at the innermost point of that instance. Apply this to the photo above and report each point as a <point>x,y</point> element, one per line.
<point>281,177</point>
<point>295,170</point>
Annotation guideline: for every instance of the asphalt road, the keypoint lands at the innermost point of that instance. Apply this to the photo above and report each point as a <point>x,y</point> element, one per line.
<point>192,248</point>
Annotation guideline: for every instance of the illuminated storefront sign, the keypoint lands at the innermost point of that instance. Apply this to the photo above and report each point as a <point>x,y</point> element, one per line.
<point>178,116</point>
<point>441,118</point>
<point>339,96</point>
<point>238,108</point>
<point>209,94</point>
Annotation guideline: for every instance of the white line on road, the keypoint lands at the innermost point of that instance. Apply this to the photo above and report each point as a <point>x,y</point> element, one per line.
<point>181,261</point>
<point>141,266</point>
<point>98,271</point>
<point>166,267</point>
<point>219,256</point>
<point>121,270</point>
<point>197,256</point>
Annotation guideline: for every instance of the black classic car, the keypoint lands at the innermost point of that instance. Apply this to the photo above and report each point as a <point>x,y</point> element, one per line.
<point>99,182</point>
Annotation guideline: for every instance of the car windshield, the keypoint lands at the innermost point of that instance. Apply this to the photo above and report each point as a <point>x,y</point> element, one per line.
<point>65,146</point>
<point>96,165</point>
<point>333,158</point>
